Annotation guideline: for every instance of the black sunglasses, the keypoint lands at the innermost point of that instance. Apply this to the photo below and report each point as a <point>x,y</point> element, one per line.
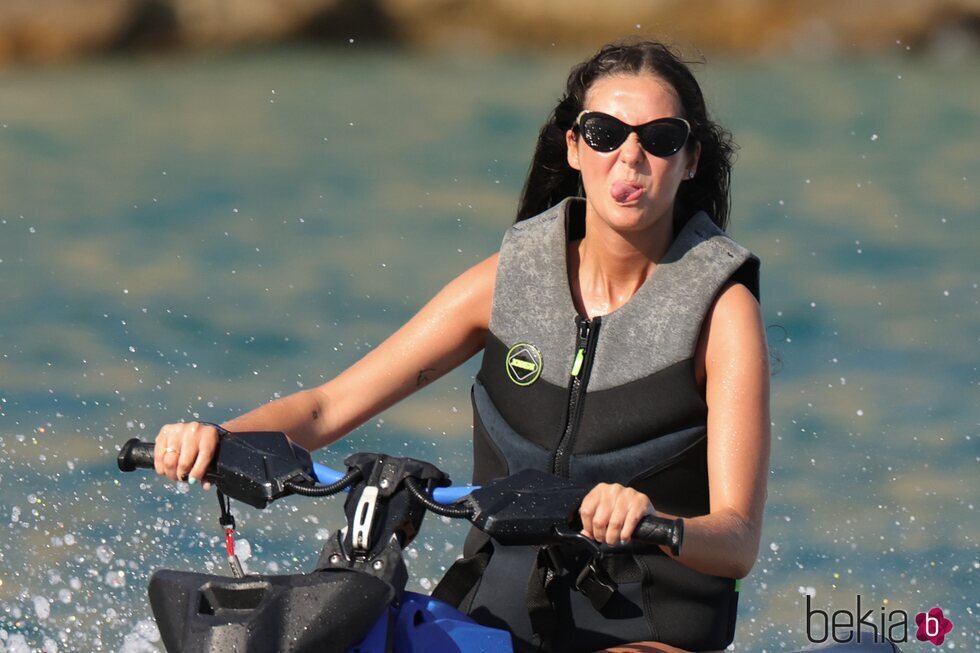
<point>604,133</point>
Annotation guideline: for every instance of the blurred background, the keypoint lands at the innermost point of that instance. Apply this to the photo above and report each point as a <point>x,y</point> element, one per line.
<point>205,204</point>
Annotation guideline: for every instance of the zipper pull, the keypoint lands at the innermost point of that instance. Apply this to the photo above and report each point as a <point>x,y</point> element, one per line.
<point>583,339</point>
<point>577,365</point>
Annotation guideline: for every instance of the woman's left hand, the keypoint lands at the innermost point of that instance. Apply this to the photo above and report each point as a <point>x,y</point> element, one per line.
<point>610,512</point>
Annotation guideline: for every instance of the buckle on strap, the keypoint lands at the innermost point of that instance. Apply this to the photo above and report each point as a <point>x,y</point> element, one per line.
<point>595,583</point>
<point>591,579</point>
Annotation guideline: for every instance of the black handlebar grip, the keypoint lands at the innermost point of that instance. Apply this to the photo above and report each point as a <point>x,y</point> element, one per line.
<point>135,454</point>
<point>658,530</point>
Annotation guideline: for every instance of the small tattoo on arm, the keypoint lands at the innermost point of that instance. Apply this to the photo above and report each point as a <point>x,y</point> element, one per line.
<point>423,377</point>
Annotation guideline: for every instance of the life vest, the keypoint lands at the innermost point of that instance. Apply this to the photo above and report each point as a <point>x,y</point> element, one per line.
<point>611,399</point>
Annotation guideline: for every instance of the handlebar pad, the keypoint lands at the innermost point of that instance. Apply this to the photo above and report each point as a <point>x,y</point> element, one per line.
<point>134,455</point>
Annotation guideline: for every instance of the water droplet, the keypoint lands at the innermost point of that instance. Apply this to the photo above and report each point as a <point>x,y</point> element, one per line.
<point>116,578</point>
<point>42,607</point>
<point>104,554</point>
<point>243,549</point>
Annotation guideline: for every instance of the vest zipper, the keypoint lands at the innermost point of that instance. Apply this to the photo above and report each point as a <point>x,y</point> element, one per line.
<point>588,335</point>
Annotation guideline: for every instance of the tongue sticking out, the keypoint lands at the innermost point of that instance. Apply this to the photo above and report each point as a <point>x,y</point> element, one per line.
<point>623,191</point>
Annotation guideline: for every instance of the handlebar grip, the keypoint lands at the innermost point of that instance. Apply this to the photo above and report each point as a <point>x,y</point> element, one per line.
<point>135,454</point>
<point>659,530</point>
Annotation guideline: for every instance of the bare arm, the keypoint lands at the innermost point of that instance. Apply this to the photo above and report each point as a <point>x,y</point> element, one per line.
<point>446,332</point>
<point>724,542</point>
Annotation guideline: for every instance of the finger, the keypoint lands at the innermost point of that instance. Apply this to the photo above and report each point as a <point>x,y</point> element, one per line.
<point>588,508</point>
<point>629,525</point>
<point>600,521</point>
<point>160,446</point>
<point>185,460</point>
<point>621,502</point>
<point>617,519</point>
<point>639,508</point>
<point>586,512</point>
<point>170,457</point>
<point>158,452</point>
<point>171,451</point>
<point>205,452</point>
<point>188,449</point>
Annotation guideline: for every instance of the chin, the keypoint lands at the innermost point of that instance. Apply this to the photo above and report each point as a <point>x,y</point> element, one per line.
<point>635,217</point>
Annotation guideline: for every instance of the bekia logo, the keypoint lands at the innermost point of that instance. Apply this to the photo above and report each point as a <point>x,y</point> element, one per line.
<point>843,626</point>
<point>933,626</point>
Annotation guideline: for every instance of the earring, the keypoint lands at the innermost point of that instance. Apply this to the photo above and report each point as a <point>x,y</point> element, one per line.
<point>690,175</point>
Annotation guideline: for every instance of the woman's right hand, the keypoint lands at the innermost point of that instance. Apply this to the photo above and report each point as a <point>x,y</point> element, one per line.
<point>184,451</point>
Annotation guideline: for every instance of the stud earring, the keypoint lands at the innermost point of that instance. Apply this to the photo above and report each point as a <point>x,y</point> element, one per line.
<point>690,175</point>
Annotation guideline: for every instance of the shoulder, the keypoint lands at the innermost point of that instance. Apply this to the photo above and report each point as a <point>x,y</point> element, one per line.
<point>734,325</point>
<point>483,274</point>
<point>540,226</point>
<point>734,300</point>
<point>715,255</point>
<point>473,289</point>
<point>733,338</point>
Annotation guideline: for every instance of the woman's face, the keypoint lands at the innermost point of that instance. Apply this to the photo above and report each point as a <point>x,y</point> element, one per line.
<point>629,188</point>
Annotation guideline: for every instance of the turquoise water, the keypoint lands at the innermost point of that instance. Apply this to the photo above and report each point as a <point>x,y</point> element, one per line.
<point>187,238</point>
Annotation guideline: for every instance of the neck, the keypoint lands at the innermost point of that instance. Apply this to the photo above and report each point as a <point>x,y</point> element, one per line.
<point>607,267</point>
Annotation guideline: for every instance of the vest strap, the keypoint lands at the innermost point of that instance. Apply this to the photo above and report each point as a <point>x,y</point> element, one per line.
<point>542,612</point>
<point>458,584</point>
<point>550,617</point>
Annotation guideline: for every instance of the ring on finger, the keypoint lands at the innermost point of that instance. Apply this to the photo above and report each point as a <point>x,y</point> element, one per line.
<point>170,450</point>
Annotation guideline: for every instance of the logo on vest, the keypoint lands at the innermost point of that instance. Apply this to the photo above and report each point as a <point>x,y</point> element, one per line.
<point>523,364</point>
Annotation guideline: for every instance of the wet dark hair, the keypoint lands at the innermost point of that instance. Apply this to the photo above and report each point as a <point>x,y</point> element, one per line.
<point>550,179</point>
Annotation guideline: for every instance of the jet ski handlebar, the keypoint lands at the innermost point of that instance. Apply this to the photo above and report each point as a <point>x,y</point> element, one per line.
<point>530,507</point>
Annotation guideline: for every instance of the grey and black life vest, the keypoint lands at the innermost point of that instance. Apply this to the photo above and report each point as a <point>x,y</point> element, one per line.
<point>612,399</point>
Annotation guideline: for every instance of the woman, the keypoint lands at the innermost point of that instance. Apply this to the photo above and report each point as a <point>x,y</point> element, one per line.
<point>624,348</point>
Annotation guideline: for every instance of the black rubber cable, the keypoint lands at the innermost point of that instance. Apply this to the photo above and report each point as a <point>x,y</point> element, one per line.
<point>324,490</point>
<point>456,512</point>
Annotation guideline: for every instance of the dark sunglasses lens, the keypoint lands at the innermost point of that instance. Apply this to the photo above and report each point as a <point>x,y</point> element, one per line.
<point>664,138</point>
<point>603,134</point>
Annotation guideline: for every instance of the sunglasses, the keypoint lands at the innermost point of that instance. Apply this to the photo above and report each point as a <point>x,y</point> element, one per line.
<point>603,133</point>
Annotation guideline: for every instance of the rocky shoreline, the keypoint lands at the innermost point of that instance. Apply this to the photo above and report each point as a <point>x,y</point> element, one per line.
<point>58,30</point>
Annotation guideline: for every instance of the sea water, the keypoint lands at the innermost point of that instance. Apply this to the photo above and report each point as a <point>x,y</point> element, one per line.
<point>186,238</point>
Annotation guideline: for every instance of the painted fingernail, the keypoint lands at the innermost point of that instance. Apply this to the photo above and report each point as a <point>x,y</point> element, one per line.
<point>191,480</point>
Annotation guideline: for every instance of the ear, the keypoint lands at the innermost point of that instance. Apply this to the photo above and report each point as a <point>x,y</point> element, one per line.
<point>571,141</point>
<point>695,157</point>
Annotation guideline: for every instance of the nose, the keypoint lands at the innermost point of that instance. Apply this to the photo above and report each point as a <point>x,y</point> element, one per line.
<point>631,151</point>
